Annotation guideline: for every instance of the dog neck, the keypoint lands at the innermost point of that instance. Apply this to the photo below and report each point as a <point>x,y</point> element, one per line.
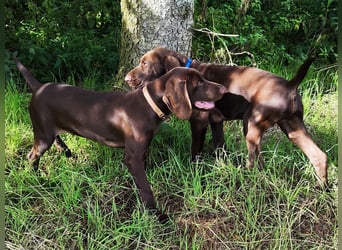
<point>154,106</point>
<point>192,63</point>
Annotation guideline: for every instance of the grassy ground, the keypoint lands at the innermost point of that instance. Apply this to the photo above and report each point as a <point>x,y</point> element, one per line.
<point>90,202</point>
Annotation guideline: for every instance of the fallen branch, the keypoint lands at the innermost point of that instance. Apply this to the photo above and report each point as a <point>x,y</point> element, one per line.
<point>209,32</point>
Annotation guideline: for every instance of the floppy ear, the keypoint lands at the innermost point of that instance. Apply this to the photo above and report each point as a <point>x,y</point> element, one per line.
<point>177,99</point>
<point>171,62</point>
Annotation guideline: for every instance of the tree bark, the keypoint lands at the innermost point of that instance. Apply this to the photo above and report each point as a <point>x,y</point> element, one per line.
<point>147,24</point>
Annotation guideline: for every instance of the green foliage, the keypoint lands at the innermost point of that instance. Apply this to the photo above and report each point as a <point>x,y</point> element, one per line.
<point>60,38</point>
<point>273,31</point>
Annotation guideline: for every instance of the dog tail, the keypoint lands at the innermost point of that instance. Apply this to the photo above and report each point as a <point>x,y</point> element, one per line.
<point>32,82</point>
<point>298,78</point>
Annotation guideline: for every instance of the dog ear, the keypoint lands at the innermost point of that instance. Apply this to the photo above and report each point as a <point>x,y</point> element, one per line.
<point>171,62</point>
<point>177,99</point>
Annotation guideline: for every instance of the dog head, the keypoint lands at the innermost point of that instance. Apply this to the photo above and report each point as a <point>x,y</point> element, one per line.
<point>186,89</point>
<point>154,64</point>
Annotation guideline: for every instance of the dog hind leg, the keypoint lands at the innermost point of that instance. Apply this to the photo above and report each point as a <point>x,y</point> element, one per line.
<point>39,148</point>
<point>59,143</point>
<point>298,134</point>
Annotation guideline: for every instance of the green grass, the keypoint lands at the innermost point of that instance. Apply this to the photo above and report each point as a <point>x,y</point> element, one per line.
<point>90,202</point>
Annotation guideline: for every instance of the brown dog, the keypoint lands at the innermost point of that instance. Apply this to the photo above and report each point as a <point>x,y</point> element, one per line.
<point>116,119</point>
<point>258,97</point>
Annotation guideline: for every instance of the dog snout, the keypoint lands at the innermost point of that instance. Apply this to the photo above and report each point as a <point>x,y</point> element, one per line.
<point>131,81</point>
<point>128,78</point>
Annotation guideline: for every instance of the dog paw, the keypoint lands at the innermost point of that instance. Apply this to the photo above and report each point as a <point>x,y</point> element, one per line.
<point>325,187</point>
<point>163,218</point>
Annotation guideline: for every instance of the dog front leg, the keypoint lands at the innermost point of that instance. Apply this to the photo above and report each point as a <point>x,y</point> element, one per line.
<point>253,140</point>
<point>135,161</point>
<point>199,123</point>
<point>253,133</point>
<point>217,133</point>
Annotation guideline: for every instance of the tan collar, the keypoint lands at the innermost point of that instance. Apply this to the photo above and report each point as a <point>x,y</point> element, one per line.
<point>154,106</point>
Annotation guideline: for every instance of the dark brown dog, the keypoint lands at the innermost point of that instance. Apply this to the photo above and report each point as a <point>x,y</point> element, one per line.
<point>116,119</point>
<point>258,97</point>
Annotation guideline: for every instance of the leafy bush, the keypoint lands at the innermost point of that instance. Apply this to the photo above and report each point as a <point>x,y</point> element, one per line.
<point>272,31</point>
<point>59,38</point>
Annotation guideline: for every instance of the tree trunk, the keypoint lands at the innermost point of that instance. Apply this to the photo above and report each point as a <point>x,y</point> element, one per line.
<point>147,24</point>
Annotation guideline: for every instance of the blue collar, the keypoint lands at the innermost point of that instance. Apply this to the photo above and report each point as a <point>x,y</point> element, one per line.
<point>188,63</point>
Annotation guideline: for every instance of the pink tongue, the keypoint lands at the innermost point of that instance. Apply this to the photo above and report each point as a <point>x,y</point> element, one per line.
<point>204,105</point>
